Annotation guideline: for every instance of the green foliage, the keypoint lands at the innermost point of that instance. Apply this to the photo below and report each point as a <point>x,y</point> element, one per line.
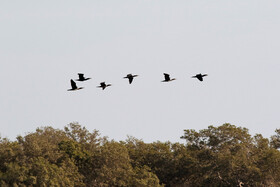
<point>275,139</point>
<point>217,156</point>
<point>35,160</point>
<point>227,155</point>
<point>144,177</point>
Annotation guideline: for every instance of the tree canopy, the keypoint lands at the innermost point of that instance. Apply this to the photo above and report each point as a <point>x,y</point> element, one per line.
<point>226,155</point>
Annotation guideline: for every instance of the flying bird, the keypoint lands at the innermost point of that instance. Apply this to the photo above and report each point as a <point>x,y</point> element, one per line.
<point>167,78</point>
<point>81,77</point>
<point>199,76</point>
<point>74,86</point>
<point>130,77</point>
<point>103,85</point>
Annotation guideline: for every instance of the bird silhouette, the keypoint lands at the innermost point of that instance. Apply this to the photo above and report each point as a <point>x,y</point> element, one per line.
<point>82,78</point>
<point>199,76</point>
<point>74,86</point>
<point>130,77</point>
<point>103,85</point>
<point>167,78</point>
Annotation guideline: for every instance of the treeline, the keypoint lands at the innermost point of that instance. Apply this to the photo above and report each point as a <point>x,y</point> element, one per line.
<point>217,156</point>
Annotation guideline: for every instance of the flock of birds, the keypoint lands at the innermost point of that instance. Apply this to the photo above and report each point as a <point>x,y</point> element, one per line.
<point>130,78</point>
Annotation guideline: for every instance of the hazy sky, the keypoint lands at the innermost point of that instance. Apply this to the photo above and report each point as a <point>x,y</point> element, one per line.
<point>44,44</point>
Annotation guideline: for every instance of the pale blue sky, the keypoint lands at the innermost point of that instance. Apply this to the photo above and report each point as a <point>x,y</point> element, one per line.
<point>43,44</point>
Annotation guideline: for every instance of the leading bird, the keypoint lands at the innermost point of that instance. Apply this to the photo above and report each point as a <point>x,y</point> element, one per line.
<point>199,76</point>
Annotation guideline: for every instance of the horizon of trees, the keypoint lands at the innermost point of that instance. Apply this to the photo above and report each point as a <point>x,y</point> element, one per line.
<point>225,155</point>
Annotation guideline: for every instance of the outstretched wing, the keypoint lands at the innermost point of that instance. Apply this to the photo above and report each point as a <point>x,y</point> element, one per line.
<point>102,84</point>
<point>166,77</point>
<point>200,78</point>
<point>73,85</point>
<point>130,79</point>
<point>81,76</point>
